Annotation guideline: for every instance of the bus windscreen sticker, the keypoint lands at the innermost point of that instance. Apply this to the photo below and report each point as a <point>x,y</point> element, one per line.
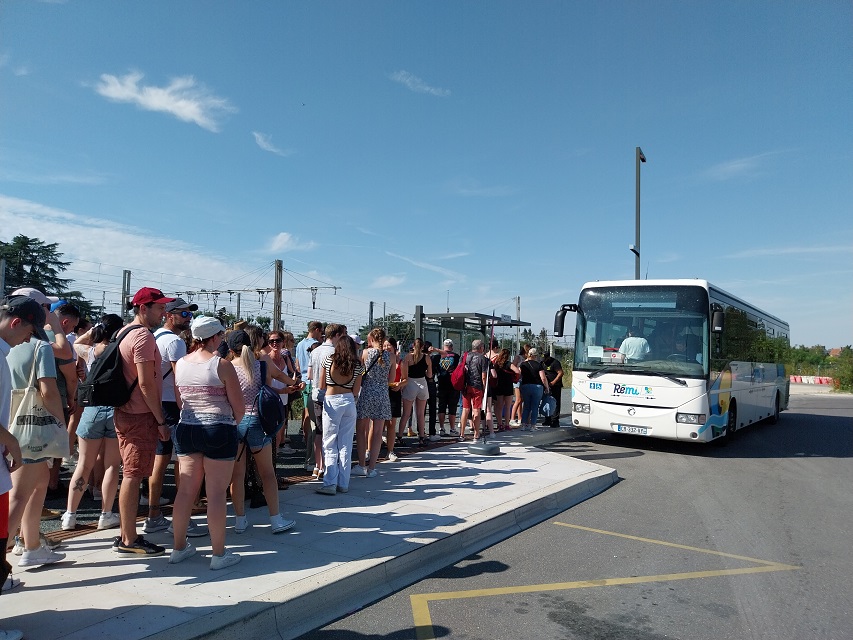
<point>632,391</point>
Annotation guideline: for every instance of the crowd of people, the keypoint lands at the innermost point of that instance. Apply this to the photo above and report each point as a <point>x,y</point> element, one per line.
<point>192,389</point>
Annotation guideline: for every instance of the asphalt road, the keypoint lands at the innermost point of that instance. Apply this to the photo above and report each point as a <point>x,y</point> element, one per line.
<point>750,540</point>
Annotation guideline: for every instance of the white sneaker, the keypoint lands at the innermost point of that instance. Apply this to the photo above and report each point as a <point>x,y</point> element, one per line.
<point>108,520</point>
<point>434,437</point>
<point>287,450</point>
<point>179,555</point>
<point>372,473</point>
<point>227,559</point>
<point>143,501</point>
<point>443,432</point>
<point>241,523</point>
<point>69,521</point>
<point>393,457</point>
<point>39,556</point>
<point>454,432</point>
<point>359,471</point>
<point>279,524</point>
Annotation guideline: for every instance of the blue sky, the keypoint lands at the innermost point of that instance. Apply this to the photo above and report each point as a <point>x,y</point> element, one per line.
<point>413,152</point>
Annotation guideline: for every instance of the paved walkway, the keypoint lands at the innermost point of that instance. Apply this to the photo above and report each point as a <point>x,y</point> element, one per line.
<point>419,515</point>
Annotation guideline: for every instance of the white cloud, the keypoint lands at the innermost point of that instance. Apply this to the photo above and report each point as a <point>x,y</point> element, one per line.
<point>264,141</point>
<point>413,83</point>
<point>750,167</point>
<point>110,243</point>
<point>790,251</point>
<point>384,282</point>
<point>472,188</point>
<point>447,273</point>
<point>183,98</point>
<point>53,178</point>
<point>287,242</point>
<point>21,70</point>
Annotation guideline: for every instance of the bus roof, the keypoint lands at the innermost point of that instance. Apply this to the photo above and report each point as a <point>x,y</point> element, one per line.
<point>685,282</point>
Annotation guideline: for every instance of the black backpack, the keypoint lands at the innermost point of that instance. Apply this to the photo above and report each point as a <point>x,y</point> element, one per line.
<point>105,385</point>
<point>268,405</point>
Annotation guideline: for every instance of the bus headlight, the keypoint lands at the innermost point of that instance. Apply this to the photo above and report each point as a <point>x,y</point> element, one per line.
<point>690,418</point>
<point>579,407</point>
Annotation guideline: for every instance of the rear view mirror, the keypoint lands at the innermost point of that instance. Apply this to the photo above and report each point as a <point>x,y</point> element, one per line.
<point>560,318</point>
<point>718,321</point>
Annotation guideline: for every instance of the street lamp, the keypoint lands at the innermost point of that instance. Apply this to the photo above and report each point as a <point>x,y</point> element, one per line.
<point>635,248</point>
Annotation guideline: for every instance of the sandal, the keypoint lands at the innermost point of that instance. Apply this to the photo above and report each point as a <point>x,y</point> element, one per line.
<point>283,484</point>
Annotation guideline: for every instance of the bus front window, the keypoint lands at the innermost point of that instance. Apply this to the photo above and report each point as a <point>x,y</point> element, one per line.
<point>658,329</point>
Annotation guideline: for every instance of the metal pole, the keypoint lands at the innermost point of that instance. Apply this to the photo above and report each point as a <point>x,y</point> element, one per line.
<point>125,293</point>
<point>238,307</point>
<point>370,317</point>
<point>640,158</point>
<point>2,276</point>
<point>276,306</point>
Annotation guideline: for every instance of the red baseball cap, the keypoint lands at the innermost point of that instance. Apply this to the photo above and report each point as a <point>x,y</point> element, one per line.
<point>148,295</point>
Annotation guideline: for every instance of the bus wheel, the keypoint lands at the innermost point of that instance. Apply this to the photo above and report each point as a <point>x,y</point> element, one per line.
<point>731,425</point>
<point>775,417</point>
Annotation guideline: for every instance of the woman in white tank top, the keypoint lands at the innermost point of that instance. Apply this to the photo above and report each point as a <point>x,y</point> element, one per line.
<point>208,391</point>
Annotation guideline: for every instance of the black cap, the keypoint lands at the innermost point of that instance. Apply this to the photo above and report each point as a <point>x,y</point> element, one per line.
<point>29,310</point>
<point>179,304</point>
<point>237,340</point>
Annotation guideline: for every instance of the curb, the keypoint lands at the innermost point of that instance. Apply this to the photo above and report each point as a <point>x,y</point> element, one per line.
<point>347,588</point>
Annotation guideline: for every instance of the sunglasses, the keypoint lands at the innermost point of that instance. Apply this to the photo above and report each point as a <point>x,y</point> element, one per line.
<point>183,314</point>
<point>275,340</point>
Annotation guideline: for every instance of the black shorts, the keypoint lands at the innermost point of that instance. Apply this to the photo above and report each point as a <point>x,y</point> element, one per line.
<point>173,416</point>
<point>396,398</point>
<point>448,399</point>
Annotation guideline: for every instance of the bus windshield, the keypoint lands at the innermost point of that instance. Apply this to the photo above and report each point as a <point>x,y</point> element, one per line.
<point>660,330</point>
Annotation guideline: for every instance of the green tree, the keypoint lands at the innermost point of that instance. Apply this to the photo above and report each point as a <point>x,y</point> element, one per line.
<point>31,262</point>
<point>395,326</point>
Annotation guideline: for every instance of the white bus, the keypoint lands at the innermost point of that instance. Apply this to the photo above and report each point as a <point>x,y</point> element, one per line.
<point>674,359</point>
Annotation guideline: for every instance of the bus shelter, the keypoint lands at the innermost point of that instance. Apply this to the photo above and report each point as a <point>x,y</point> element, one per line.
<point>462,327</point>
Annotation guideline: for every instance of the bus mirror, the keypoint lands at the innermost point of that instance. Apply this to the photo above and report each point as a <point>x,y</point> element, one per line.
<point>718,321</point>
<point>560,318</point>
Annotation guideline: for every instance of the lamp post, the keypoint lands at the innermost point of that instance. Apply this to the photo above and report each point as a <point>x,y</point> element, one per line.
<point>635,248</point>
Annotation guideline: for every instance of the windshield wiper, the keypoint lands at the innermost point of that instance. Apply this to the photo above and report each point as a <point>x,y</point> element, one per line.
<point>667,376</point>
<point>609,369</point>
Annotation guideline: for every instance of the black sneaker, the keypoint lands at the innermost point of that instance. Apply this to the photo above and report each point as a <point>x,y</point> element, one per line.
<point>140,547</point>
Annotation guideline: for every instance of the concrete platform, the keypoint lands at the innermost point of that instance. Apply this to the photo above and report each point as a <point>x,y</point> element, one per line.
<point>419,515</point>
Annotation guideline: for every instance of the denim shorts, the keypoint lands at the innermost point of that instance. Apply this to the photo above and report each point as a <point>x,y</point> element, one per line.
<point>96,423</point>
<point>214,441</point>
<point>251,430</point>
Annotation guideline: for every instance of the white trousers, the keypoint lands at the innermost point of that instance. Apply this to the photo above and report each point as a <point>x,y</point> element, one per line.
<point>339,414</point>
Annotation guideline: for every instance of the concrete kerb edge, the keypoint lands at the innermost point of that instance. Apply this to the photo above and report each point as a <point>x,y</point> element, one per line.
<point>282,612</point>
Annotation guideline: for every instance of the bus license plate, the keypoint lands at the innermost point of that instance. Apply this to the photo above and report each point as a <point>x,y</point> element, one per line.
<point>640,431</point>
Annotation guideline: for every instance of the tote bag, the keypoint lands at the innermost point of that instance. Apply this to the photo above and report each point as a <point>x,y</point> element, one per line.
<point>38,432</point>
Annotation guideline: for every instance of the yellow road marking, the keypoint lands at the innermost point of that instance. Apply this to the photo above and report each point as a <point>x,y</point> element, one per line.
<point>420,602</point>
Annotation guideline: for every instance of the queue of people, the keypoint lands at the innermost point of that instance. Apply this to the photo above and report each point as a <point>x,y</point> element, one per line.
<point>192,388</point>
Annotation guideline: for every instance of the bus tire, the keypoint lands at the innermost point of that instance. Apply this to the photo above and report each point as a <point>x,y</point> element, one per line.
<point>774,418</point>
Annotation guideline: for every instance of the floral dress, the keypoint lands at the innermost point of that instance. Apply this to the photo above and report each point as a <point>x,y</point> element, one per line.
<point>373,401</point>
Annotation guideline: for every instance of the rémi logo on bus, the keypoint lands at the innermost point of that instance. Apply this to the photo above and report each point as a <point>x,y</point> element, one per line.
<point>624,390</point>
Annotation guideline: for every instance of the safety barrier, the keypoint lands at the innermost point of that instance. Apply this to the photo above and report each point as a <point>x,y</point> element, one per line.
<point>811,380</point>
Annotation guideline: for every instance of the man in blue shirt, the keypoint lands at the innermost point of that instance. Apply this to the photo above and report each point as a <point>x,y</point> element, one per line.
<point>303,359</point>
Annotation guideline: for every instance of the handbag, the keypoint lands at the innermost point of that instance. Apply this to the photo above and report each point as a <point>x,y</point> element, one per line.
<point>38,431</point>
<point>548,406</point>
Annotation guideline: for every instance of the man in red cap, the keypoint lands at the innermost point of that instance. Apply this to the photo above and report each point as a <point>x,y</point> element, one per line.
<point>140,422</point>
